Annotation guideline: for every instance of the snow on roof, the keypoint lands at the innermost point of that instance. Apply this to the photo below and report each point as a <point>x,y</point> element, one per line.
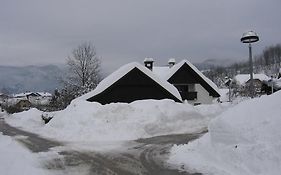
<point>24,94</point>
<point>148,59</point>
<point>172,60</point>
<point>115,76</point>
<point>241,79</point>
<point>161,72</point>
<point>44,94</point>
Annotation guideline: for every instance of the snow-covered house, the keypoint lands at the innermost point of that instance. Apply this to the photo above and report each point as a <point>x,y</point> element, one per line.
<point>193,86</point>
<point>271,85</point>
<point>23,104</point>
<point>179,82</point>
<point>132,82</point>
<point>244,79</point>
<point>242,82</point>
<point>35,98</point>
<point>32,97</point>
<point>44,98</point>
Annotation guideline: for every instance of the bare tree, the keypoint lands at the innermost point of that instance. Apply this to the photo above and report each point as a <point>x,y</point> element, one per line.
<point>84,69</point>
<point>84,65</point>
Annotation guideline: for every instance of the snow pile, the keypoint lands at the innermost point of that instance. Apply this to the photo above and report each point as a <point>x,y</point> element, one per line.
<point>31,119</point>
<point>212,110</point>
<point>246,139</point>
<point>17,160</point>
<point>90,121</point>
<point>121,121</point>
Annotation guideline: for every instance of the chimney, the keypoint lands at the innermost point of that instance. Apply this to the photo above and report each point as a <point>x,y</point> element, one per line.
<point>171,62</point>
<point>148,62</point>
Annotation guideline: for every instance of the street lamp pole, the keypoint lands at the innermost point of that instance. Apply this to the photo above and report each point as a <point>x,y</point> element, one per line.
<point>251,71</point>
<point>271,79</point>
<point>250,37</point>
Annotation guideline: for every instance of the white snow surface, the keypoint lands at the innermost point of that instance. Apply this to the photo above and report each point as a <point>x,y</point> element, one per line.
<point>89,121</point>
<point>224,95</point>
<point>15,159</point>
<point>245,139</point>
<point>44,94</point>
<point>115,76</point>
<point>161,72</point>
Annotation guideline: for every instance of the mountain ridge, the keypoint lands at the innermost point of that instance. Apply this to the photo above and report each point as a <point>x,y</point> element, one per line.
<point>15,79</point>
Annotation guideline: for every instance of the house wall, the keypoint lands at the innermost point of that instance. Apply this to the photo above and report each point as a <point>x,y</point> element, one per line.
<point>23,104</point>
<point>203,96</point>
<point>39,100</point>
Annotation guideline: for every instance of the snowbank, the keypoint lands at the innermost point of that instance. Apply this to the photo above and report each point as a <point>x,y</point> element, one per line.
<point>17,160</point>
<point>31,119</point>
<point>90,121</point>
<point>246,139</point>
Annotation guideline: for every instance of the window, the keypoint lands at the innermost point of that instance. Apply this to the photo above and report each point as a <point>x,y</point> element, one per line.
<point>187,91</point>
<point>191,88</point>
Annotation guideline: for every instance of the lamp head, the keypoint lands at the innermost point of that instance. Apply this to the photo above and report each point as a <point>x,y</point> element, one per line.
<point>249,37</point>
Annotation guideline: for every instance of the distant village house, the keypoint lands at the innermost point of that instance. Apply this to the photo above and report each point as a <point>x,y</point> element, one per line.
<point>26,100</point>
<point>241,83</point>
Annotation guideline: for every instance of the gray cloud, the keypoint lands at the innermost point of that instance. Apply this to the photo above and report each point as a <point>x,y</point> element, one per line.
<point>42,32</point>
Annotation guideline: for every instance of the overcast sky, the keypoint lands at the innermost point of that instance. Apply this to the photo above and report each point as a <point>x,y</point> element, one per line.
<point>43,32</point>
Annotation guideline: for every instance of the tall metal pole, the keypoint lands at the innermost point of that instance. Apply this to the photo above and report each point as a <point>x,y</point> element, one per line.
<point>229,93</point>
<point>271,84</point>
<point>250,37</point>
<point>251,71</point>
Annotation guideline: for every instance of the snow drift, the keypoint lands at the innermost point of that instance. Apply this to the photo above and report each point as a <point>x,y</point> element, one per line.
<point>246,139</point>
<point>90,121</point>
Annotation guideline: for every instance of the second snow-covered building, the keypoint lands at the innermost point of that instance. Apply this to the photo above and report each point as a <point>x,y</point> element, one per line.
<point>193,86</point>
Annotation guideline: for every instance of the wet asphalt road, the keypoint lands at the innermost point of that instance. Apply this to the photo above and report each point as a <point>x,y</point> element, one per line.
<point>140,157</point>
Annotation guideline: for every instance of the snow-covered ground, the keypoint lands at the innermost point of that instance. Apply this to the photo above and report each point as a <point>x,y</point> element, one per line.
<point>245,139</point>
<point>15,159</point>
<point>224,95</point>
<point>89,121</point>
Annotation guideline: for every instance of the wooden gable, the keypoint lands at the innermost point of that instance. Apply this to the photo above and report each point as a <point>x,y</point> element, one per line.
<point>186,75</point>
